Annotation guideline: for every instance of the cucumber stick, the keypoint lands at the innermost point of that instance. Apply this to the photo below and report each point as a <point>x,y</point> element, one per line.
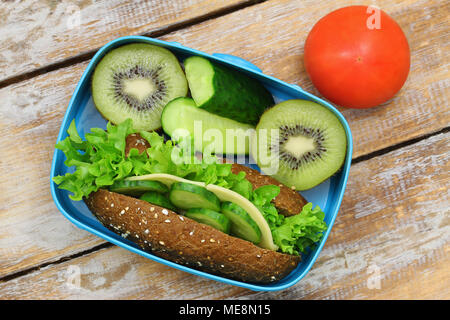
<point>210,132</point>
<point>226,92</point>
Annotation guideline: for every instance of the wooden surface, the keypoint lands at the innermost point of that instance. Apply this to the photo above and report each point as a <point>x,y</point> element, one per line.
<point>393,225</point>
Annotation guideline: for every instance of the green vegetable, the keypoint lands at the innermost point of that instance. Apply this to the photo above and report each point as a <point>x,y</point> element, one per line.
<point>297,233</point>
<point>137,188</point>
<point>183,114</point>
<point>158,199</point>
<point>211,218</point>
<point>242,225</point>
<point>188,195</point>
<point>226,92</point>
<point>99,161</point>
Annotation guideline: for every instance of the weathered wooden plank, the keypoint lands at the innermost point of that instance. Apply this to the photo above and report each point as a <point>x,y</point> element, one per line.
<point>272,34</point>
<point>390,241</point>
<point>37,33</point>
<point>31,112</point>
<point>32,229</point>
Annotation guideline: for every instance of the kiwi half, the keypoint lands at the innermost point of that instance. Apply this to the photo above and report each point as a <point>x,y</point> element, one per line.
<point>301,142</point>
<point>136,81</point>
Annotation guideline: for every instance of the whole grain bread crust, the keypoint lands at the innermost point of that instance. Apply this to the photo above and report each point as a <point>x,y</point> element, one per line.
<point>184,241</point>
<point>288,202</point>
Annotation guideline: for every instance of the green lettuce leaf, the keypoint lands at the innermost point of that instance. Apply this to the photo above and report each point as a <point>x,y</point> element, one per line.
<point>100,160</point>
<point>298,233</point>
<point>261,197</point>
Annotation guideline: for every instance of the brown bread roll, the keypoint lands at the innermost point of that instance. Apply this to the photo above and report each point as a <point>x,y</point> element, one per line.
<point>288,202</point>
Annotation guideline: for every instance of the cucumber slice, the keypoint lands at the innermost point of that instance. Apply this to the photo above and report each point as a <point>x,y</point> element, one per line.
<point>158,199</point>
<point>187,196</point>
<point>242,225</point>
<point>211,132</point>
<point>226,92</point>
<point>136,188</point>
<point>166,179</point>
<point>254,213</point>
<point>211,218</point>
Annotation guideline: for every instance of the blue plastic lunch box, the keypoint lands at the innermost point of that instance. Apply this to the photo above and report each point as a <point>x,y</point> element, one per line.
<point>328,195</point>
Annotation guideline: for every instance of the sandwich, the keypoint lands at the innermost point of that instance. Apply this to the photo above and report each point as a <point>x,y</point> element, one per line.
<point>222,218</point>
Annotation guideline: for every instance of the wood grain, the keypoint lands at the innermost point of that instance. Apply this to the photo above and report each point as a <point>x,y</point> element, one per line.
<point>32,231</point>
<point>38,33</point>
<point>270,34</point>
<point>393,226</point>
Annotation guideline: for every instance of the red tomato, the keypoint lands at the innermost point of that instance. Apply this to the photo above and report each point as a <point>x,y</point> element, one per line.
<point>357,57</point>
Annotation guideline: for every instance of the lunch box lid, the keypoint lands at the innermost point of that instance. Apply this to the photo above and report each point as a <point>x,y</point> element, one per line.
<point>328,195</point>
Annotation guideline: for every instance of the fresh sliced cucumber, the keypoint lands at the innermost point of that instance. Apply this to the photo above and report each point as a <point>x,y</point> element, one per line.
<point>211,218</point>
<point>211,132</point>
<point>242,225</point>
<point>226,92</point>
<point>187,196</point>
<point>136,188</point>
<point>158,199</point>
<point>166,179</point>
<point>228,195</point>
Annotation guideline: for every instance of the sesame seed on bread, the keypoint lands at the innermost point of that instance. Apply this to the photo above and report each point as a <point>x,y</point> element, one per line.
<point>184,241</point>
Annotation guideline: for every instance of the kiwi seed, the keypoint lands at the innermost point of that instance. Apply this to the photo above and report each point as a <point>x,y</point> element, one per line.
<point>137,73</point>
<point>291,160</point>
<point>310,143</point>
<point>136,81</point>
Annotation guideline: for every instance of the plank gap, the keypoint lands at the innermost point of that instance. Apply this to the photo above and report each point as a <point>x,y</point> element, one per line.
<point>24,272</point>
<point>397,146</point>
<point>153,34</point>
